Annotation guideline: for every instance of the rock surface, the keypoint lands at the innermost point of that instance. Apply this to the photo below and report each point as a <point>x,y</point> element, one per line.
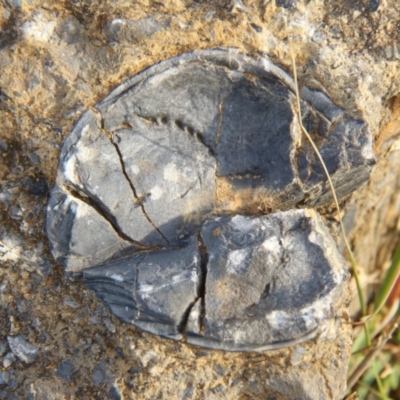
<point>59,59</point>
<point>207,134</point>
<point>266,282</point>
<point>25,351</point>
<point>272,281</point>
<point>146,170</point>
<point>150,290</point>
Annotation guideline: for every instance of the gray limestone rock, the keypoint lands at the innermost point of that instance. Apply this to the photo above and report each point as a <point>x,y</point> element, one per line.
<point>206,134</point>
<point>24,350</point>
<point>168,158</point>
<point>271,281</point>
<point>153,291</point>
<point>247,283</point>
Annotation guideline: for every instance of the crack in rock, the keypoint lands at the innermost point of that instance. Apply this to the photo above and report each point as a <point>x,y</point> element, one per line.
<point>139,200</point>
<point>93,203</point>
<point>184,159</point>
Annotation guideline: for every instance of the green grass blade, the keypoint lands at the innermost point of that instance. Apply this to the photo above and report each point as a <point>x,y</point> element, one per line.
<point>391,277</point>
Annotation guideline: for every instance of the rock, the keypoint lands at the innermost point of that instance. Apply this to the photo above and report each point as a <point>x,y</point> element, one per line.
<point>24,350</point>
<point>3,346</point>
<point>254,263</point>
<point>285,3</point>
<point>150,180</point>
<point>374,5</point>
<point>122,30</point>
<point>114,393</point>
<point>65,371</point>
<point>8,359</point>
<point>141,170</point>
<point>153,291</point>
<point>237,5</point>
<point>100,374</point>
<point>37,187</point>
<point>110,326</point>
<point>271,281</point>
<point>71,302</point>
<point>4,377</point>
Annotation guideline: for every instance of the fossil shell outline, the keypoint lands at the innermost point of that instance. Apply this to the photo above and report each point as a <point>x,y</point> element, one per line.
<point>192,119</point>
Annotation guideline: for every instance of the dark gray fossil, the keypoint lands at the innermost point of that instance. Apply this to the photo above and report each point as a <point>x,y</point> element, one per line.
<point>161,191</point>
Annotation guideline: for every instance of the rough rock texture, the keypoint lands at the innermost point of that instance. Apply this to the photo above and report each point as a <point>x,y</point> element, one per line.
<point>267,282</point>
<point>150,170</point>
<point>271,282</point>
<point>153,291</point>
<point>58,60</point>
<point>154,169</point>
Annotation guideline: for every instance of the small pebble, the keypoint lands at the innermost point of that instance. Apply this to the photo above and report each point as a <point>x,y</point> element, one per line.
<point>257,28</point>
<point>71,302</point>
<point>8,360</point>
<point>113,393</point>
<point>374,5</point>
<point>65,370</point>
<point>285,3</point>
<point>3,346</point>
<point>4,377</point>
<point>24,350</point>
<point>109,325</point>
<point>209,16</point>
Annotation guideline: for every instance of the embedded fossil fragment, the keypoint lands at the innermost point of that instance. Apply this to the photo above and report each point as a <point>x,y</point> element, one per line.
<point>261,283</point>
<point>205,135</point>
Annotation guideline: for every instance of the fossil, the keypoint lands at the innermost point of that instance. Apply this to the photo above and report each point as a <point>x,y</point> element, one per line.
<point>162,189</point>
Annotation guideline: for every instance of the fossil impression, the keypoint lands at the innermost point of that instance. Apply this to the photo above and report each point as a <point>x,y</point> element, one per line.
<point>164,194</point>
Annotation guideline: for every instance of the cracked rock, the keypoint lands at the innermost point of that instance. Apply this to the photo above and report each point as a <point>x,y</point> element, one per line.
<point>271,281</point>
<point>266,282</point>
<point>172,155</point>
<point>150,290</point>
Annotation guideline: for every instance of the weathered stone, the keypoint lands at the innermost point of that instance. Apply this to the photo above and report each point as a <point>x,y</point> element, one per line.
<point>122,30</point>
<point>65,371</point>
<point>286,3</point>
<point>24,350</point>
<point>148,182</point>
<point>153,291</point>
<point>270,281</point>
<point>205,134</point>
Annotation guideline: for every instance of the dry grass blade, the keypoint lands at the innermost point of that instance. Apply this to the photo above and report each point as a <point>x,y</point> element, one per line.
<point>351,256</point>
<point>352,396</point>
<point>364,365</point>
<point>304,131</point>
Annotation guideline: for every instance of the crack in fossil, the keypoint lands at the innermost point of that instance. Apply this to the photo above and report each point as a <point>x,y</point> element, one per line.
<point>139,200</point>
<point>181,327</point>
<point>77,193</point>
<point>203,282</point>
<point>201,292</point>
<point>220,118</point>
